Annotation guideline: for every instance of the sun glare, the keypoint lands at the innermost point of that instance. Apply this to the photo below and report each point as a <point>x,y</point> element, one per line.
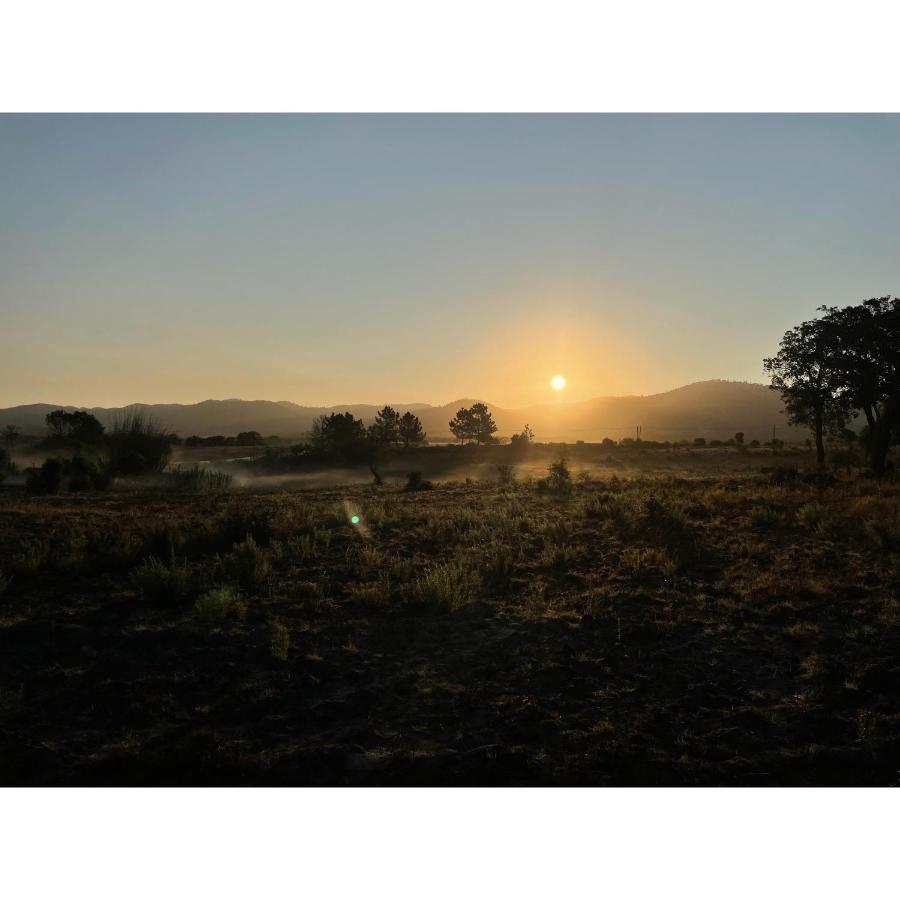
<point>557,382</point>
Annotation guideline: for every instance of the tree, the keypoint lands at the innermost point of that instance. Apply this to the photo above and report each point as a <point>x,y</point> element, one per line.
<point>463,426</point>
<point>11,436</point>
<point>804,372</point>
<point>739,438</point>
<point>76,426</point>
<point>410,430</point>
<point>483,422</point>
<point>866,357</point>
<point>385,431</point>
<point>474,424</point>
<point>341,435</point>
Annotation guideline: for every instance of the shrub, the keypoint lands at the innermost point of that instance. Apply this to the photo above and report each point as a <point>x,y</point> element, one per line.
<point>558,479</point>
<point>646,565</point>
<point>47,479</point>
<point>506,475</point>
<point>557,555</point>
<point>84,475</point>
<point>884,532</point>
<point>138,445</point>
<point>247,563</point>
<point>783,474</point>
<point>218,604</point>
<point>166,583</point>
<point>415,482</point>
<point>446,587</point>
<point>764,515</point>
<point>496,567</point>
<point>808,517</point>
<point>198,480</point>
<point>279,641</point>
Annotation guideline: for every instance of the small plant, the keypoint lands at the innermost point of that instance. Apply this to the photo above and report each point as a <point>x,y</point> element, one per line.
<point>279,641</point>
<point>506,475</point>
<point>646,565</point>
<point>446,587</point>
<point>5,582</point>
<point>808,517</point>
<point>557,556</point>
<point>496,567</point>
<point>764,515</point>
<point>218,604</point>
<point>165,583</point>
<point>247,563</point>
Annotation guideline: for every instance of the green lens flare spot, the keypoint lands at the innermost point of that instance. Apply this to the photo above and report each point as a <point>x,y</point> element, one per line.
<point>354,520</point>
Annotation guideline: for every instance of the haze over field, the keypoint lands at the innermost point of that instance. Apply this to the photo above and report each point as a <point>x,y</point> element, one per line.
<point>323,259</point>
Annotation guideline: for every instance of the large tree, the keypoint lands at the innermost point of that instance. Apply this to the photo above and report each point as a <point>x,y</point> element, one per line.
<point>411,432</point>
<point>867,359</point>
<point>474,424</point>
<point>78,426</point>
<point>385,431</point>
<point>341,435</point>
<point>484,423</point>
<point>804,373</point>
<point>463,425</point>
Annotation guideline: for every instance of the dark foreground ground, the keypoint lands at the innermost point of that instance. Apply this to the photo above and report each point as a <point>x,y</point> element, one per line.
<point>684,630</point>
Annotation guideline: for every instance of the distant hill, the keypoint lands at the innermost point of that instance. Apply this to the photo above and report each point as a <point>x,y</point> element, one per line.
<point>710,409</point>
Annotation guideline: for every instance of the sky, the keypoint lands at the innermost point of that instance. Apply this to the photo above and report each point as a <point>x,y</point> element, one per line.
<point>372,259</point>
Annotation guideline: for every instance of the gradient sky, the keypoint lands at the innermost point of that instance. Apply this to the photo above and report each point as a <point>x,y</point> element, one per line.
<point>330,259</point>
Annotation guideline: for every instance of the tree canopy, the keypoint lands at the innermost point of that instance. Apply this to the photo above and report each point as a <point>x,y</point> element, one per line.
<point>847,361</point>
<point>474,424</point>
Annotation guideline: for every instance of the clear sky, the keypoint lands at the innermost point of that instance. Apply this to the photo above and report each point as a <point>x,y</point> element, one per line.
<point>329,259</point>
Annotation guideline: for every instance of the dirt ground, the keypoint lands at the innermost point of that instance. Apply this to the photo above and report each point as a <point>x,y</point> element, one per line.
<point>736,627</point>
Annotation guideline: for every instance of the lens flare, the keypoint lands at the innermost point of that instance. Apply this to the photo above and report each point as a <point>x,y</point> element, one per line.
<point>354,520</point>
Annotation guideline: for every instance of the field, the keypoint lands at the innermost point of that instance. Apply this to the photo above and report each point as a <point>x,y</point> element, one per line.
<point>705,618</point>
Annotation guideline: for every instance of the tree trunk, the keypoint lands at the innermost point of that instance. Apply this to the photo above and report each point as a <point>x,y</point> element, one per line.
<point>818,428</point>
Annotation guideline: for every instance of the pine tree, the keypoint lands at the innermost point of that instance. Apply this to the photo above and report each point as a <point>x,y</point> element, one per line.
<point>410,430</point>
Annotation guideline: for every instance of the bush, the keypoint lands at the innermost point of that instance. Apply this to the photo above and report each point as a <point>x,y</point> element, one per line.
<point>415,482</point>
<point>84,475</point>
<point>764,515</point>
<point>138,445</point>
<point>218,604</point>
<point>248,563</point>
<point>783,474</point>
<point>648,565</point>
<point>167,583</point>
<point>447,587</point>
<point>506,475</point>
<point>47,479</point>
<point>558,479</point>
<point>198,480</point>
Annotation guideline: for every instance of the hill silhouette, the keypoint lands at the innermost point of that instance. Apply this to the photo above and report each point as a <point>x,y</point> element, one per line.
<point>710,409</point>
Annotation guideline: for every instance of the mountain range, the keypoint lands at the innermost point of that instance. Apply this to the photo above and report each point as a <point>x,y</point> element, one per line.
<point>710,409</point>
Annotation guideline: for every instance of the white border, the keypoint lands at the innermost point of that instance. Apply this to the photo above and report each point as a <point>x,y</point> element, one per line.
<point>469,55</point>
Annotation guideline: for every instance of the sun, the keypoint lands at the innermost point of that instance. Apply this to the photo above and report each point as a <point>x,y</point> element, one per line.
<point>557,382</point>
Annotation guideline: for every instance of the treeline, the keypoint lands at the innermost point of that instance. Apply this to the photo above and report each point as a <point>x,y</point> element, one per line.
<point>341,437</point>
<point>840,366</point>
